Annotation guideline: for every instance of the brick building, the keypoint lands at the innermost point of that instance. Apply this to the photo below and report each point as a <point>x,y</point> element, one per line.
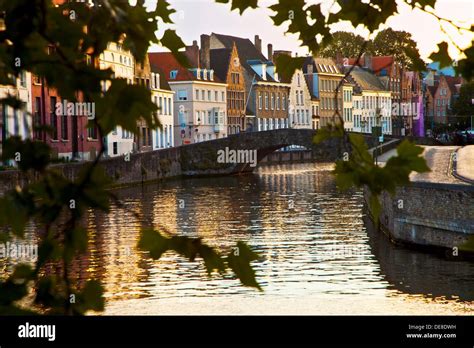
<point>226,64</point>
<point>268,98</point>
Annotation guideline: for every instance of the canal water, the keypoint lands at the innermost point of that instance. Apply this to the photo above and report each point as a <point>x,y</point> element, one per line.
<point>319,253</point>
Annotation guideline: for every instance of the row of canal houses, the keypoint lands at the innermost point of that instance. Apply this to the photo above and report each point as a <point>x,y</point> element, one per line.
<point>230,86</point>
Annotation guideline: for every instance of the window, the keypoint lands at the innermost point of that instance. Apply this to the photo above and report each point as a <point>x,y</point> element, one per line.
<point>64,128</point>
<point>216,96</point>
<point>284,101</point>
<point>209,115</point>
<point>222,96</point>
<point>266,100</point>
<point>23,79</point>
<point>115,148</point>
<point>273,101</point>
<point>182,94</point>
<point>169,106</point>
<point>278,102</point>
<point>37,115</point>
<point>173,74</point>
<point>53,118</point>
<point>209,95</point>
<point>260,101</point>
<point>160,105</point>
<point>298,80</point>
<point>92,132</point>
<point>197,94</point>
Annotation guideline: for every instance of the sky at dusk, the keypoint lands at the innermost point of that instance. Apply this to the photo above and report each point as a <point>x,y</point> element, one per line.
<point>195,17</point>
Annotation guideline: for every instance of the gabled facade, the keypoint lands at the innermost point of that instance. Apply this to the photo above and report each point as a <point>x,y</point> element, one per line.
<point>162,96</point>
<point>299,114</point>
<point>143,137</point>
<point>315,103</point>
<point>119,141</point>
<point>199,100</point>
<point>447,90</point>
<point>268,98</point>
<point>325,76</point>
<point>226,65</point>
<point>390,73</point>
<point>376,101</point>
<point>347,105</point>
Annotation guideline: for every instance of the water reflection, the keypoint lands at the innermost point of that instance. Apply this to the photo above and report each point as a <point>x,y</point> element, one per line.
<point>312,239</point>
<point>421,274</point>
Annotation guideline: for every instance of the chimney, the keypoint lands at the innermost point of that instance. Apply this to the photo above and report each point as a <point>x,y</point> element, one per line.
<point>270,52</point>
<point>339,59</point>
<point>367,61</point>
<point>258,43</point>
<point>192,53</point>
<point>205,51</point>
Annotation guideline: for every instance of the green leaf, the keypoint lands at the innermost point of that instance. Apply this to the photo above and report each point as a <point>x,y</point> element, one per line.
<point>174,43</point>
<point>442,56</point>
<point>239,261</point>
<point>328,132</point>
<point>30,154</point>
<point>91,297</point>
<point>241,5</point>
<point>124,105</point>
<point>163,10</point>
<point>465,66</point>
<point>14,213</point>
<point>286,66</point>
<point>154,243</point>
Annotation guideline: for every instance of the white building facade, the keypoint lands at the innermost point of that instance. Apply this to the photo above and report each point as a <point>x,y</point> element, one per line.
<point>299,112</point>
<point>347,107</point>
<point>200,106</point>
<point>119,141</point>
<point>17,122</point>
<point>162,96</point>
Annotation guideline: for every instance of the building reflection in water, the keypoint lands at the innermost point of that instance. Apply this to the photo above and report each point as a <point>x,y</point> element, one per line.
<point>421,274</point>
<point>311,237</point>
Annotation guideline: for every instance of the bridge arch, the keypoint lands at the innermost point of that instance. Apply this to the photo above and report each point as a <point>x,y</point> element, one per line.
<point>202,158</point>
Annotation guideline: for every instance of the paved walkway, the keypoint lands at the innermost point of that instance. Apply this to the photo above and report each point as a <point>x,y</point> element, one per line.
<point>465,162</point>
<point>439,159</point>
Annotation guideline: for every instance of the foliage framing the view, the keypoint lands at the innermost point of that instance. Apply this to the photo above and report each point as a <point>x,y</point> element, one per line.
<point>52,43</point>
<point>30,26</point>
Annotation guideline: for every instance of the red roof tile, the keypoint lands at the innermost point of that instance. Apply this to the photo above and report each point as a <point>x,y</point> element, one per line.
<point>167,63</point>
<point>381,62</point>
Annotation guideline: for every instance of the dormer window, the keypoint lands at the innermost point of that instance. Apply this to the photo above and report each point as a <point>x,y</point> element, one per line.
<point>211,75</point>
<point>204,74</point>
<point>173,74</point>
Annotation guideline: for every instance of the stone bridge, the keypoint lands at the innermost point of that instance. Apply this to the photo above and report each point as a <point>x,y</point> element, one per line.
<point>199,159</point>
